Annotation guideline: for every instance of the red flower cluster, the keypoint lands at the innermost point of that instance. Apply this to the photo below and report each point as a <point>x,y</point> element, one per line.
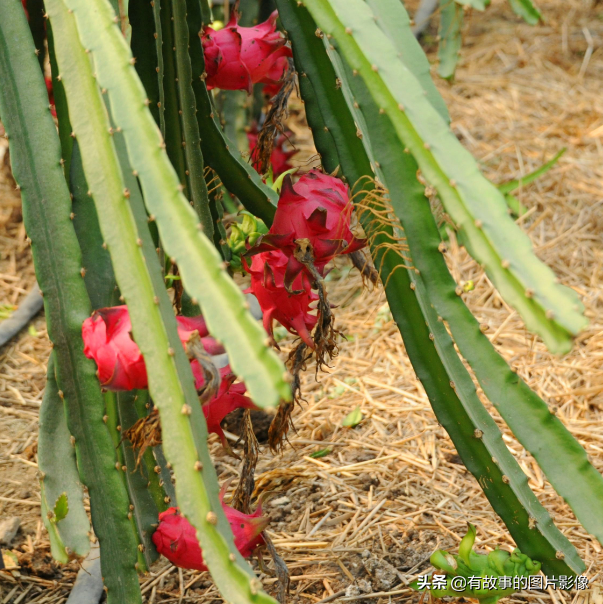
<point>279,158</point>
<point>108,340</point>
<point>237,57</point>
<point>316,209</point>
<point>176,537</point>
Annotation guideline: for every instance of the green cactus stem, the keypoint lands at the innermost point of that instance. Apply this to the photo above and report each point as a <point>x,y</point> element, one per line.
<point>36,154</point>
<point>528,416</point>
<point>60,103</point>
<point>449,387</point>
<point>450,36</point>
<point>477,208</point>
<point>188,109</point>
<point>147,41</point>
<point>143,507</point>
<point>173,126</point>
<point>154,329</point>
<point>59,475</point>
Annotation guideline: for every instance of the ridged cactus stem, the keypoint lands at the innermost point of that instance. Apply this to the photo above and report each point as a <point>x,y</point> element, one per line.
<point>58,469</point>
<point>529,523</point>
<point>526,414</point>
<point>113,422</point>
<point>188,115</point>
<point>450,37</point>
<point>173,126</point>
<point>143,506</point>
<point>446,381</point>
<point>198,261</point>
<point>476,206</point>
<point>151,468</point>
<point>36,154</point>
<point>183,428</point>
<point>60,104</point>
<point>147,41</point>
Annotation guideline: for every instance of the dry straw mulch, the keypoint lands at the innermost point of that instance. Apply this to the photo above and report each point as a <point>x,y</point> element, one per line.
<point>394,485</point>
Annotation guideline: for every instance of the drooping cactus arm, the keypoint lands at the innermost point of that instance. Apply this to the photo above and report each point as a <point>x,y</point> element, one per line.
<point>172,391</point>
<point>36,153</point>
<point>478,209</point>
<point>458,410</point>
<point>528,416</point>
<point>535,532</point>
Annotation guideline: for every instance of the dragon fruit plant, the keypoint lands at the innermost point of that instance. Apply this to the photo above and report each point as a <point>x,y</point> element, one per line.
<point>122,196</point>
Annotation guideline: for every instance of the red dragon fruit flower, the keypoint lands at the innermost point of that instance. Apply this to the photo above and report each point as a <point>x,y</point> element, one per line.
<point>317,208</point>
<point>279,158</point>
<point>237,57</point>
<point>108,340</point>
<point>289,308</point>
<point>176,538</point>
<point>230,396</point>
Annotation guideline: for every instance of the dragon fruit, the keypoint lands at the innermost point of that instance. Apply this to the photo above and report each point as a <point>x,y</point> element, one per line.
<point>317,209</point>
<point>176,537</point>
<point>290,309</point>
<point>108,340</point>
<point>230,396</point>
<point>237,57</point>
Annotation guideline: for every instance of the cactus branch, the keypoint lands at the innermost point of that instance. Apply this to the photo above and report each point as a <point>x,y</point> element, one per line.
<point>198,261</point>
<point>476,206</point>
<point>443,375</point>
<point>170,379</point>
<point>36,152</point>
<point>57,464</point>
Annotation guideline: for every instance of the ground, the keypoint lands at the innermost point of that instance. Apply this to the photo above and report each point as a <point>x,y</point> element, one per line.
<point>393,485</point>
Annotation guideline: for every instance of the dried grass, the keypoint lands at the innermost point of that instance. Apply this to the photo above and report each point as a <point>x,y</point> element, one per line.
<point>394,484</point>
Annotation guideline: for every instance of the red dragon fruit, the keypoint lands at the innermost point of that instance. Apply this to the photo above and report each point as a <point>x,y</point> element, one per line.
<point>279,158</point>
<point>230,396</point>
<point>176,537</point>
<point>237,57</point>
<point>289,308</point>
<point>108,340</point>
<point>317,208</point>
